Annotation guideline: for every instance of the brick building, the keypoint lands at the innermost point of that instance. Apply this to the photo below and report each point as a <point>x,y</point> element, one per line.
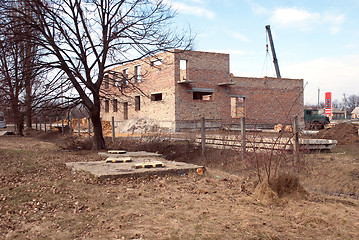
<point>176,89</point>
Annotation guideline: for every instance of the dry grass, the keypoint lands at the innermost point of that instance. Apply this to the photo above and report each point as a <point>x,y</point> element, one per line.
<point>41,199</point>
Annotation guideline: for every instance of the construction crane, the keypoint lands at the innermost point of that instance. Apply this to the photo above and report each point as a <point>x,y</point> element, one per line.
<point>275,60</point>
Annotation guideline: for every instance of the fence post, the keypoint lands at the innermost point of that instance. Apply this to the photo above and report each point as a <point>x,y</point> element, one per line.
<point>78,127</point>
<point>89,127</point>
<point>203,135</point>
<point>296,139</point>
<point>243,132</point>
<point>113,128</point>
<point>70,122</point>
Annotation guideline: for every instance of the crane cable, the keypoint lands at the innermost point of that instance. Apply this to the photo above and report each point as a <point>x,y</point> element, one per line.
<point>266,59</point>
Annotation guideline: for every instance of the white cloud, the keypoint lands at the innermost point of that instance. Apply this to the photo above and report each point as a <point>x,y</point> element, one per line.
<point>350,46</point>
<point>335,21</point>
<point>239,36</point>
<point>229,51</point>
<point>197,1</point>
<point>336,75</point>
<point>257,9</point>
<point>304,20</point>
<point>292,16</point>
<point>197,10</point>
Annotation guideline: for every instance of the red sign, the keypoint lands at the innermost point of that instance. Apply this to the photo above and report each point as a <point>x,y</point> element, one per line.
<point>328,104</point>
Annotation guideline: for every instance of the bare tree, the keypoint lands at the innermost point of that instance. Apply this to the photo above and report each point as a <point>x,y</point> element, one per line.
<point>86,38</point>
<point>11,81</point>
<point>352,102</point>
<point>25,85</point>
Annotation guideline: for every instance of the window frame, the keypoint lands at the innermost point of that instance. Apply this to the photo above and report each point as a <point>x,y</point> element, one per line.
<point>198,94</point>
<point>137,103</point>
<point>107,105</point>
<point>106,83</point>
<point>156,97</point>
<point>114,105</point>
<point>137,71</point>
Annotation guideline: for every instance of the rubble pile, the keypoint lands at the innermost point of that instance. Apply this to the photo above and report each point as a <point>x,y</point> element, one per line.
<point>344,133</point>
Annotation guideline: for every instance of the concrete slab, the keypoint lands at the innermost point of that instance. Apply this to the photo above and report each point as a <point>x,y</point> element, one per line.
<point>104,170</point>
<point>140,154</point>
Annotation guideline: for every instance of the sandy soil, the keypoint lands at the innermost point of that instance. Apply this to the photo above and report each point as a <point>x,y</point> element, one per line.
<point>41,199</point>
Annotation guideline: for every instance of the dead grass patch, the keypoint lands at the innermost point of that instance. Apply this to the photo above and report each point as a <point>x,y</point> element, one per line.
<point>36,189</point>
<point>284,186</point>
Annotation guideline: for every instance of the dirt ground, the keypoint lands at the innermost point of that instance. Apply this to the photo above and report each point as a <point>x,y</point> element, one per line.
<point>345,133</point>
<point>41,199</point>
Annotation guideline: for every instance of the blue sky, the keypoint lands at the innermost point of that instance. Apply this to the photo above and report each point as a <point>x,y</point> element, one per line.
<point>314,40</point>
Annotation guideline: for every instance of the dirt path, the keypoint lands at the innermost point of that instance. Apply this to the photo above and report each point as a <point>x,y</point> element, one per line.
<point>41,199</point>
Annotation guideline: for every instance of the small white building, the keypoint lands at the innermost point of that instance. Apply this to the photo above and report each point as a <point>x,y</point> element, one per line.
<point>355,113</point>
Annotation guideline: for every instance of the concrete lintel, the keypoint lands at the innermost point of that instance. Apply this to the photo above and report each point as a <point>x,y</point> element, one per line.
<point>239,96</point>
<point>209,90</point>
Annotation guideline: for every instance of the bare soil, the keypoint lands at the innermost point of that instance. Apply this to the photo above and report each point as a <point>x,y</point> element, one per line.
<point>41,199</point>
<point>344,133</point>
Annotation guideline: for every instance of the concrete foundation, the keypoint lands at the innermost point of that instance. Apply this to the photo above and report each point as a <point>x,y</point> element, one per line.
<point>104,170</point>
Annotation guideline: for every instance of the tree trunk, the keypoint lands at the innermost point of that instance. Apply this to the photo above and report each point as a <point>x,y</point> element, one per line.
<point>20,125</point>
<point>98,140</point>
<point>28,111</point>
<point>17,118</point>
<point>30,52</point>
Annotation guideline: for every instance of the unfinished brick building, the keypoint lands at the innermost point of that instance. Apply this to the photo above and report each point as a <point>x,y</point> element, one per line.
<point>176,89</point>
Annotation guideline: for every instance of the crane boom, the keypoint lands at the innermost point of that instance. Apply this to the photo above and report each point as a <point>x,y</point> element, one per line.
<point>275,60</point>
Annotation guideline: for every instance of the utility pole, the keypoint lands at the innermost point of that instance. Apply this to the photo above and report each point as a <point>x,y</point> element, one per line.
<point>345,107</point>
<point>318,98</point>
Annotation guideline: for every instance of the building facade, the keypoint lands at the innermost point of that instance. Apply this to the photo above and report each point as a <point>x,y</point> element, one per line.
<point>176,89</point>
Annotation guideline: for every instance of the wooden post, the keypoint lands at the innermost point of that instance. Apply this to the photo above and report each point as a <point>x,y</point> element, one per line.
<point>296,139</point>
<point>243,132</point>
<point>203,135</point>
<point>89,127</point>
<point>70,122</point>
<point>113,128</point>
<point>78,127</point>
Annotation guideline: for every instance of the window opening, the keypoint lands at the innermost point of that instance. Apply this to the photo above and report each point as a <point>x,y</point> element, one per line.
<point>107,106</point>
<point>106,81</point>
<point>156,63</point>
<point>206,96</point>
<point>125,75</point>
<point>156,97</point>
<point>125,110</point>
<point>138,73</point>
<point>137,103</point>
<point>114,105</point>
<point>115,80</point>
<point>183,70</point>
<point>237,107</point>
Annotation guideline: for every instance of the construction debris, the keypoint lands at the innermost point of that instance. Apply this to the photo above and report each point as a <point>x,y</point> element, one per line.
<point>283,128</point>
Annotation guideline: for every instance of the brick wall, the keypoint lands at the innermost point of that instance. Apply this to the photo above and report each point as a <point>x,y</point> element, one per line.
<point>270,100</point>
<point>155,79</point>
<point>267,100</point>
<point>205,70</point>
